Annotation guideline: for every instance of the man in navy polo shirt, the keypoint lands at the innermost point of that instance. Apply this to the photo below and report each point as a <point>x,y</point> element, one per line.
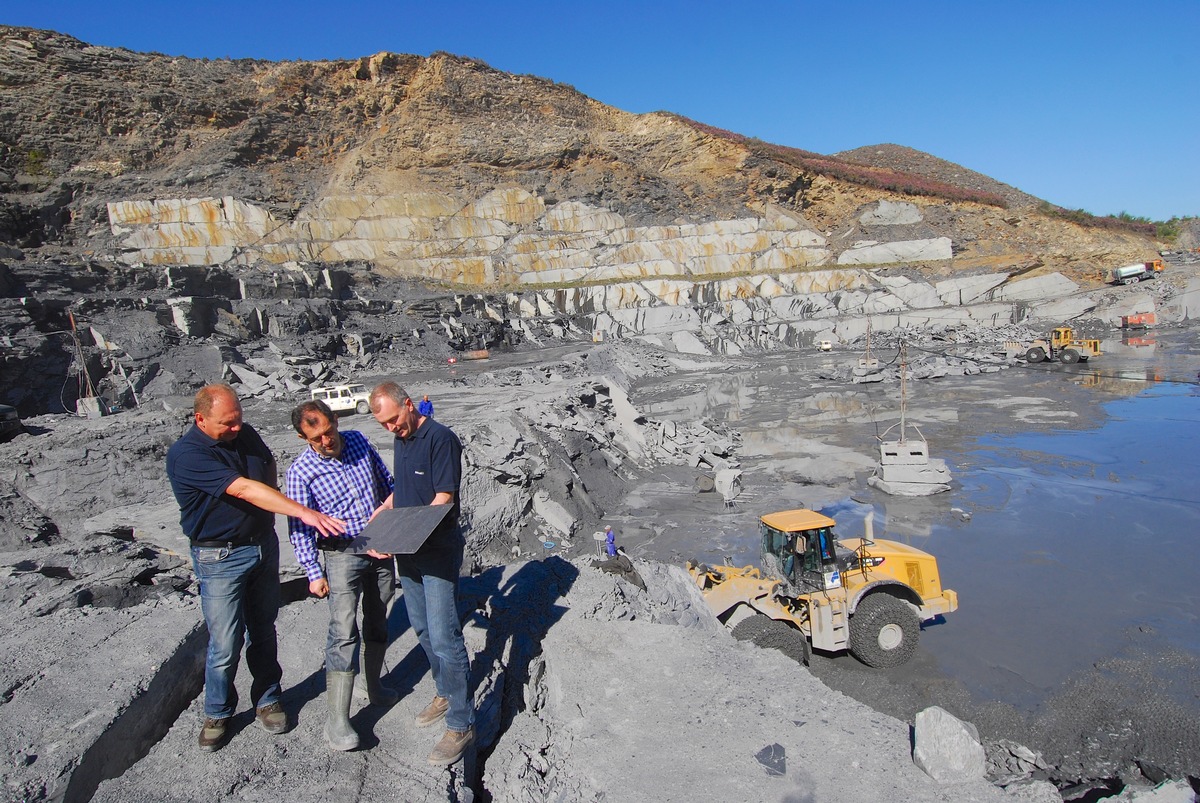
<point>224,478</point>
<point>428,471</point>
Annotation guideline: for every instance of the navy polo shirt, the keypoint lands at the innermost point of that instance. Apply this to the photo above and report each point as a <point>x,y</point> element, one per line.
<point>201,469</point>
<point>428,463</point>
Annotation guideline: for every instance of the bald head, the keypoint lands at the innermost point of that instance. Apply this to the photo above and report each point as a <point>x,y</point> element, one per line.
<point>218,412</point>
<point>207,395</point>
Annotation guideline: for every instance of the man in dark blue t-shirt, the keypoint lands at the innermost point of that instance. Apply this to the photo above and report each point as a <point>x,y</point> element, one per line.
<point>224,478</point>
<point>428,471</point>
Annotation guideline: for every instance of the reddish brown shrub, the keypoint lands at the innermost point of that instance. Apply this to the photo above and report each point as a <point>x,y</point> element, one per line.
<point>875,177</point>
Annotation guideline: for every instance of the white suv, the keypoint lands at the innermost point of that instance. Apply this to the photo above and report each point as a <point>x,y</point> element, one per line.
<point>344,398</point>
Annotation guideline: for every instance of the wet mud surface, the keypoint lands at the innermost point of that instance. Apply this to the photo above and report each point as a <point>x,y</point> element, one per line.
<point>1069,533</point>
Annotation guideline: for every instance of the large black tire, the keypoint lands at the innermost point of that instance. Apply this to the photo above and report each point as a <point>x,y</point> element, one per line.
<point>1035,354</point>
<point>769,633</point>
<point>1068,356</point>
<point>884,631</point>
<point>362,408</point>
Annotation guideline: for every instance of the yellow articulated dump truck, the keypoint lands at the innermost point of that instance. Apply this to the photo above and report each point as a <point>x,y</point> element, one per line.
<point>858,594</point>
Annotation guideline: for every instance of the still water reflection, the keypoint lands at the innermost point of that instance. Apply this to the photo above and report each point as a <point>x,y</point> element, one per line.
<point>1073,520</point>
<point>1075,537</point>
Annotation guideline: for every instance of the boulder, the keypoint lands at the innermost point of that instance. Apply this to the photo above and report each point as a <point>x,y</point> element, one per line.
<point>947,748</point>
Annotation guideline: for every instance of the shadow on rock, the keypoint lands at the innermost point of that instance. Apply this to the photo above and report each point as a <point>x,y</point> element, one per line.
<point>516,608</point>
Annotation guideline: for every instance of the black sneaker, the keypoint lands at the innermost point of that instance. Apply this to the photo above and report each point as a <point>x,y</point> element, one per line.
<point>212,735</point>
<point>272,718</point>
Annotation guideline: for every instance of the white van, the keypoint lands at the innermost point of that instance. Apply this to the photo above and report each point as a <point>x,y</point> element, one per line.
<point>344,398</point>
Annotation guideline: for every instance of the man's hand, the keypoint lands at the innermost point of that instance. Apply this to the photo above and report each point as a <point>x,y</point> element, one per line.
<point>378,555</point>
<point>319,588</point>
<point>326,525</point>
<point>267,498</point>
<point>386,504</point>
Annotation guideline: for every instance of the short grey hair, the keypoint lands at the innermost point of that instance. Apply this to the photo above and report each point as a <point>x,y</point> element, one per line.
<point>390,390</point>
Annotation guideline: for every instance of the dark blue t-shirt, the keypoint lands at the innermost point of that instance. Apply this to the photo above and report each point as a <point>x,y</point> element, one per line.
<point>201,469</point>
<point>428,463</point>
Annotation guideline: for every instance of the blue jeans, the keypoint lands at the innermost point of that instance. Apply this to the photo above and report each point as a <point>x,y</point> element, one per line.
<point>351,578</point>
<point>239,592</point>
<point>430,584</point>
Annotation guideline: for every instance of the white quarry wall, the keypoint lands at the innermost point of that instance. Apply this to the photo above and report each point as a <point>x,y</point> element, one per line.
<point>891,213</point>
<point>685,284</point>
<point>937,248</point>
<point>724,315</point>
<point>508,236</point>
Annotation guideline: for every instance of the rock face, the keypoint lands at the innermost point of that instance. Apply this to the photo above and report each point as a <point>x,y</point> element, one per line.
<point>444,168</point>
<point>506,237</point>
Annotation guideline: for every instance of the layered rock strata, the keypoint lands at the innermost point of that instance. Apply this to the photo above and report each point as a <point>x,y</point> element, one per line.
<point>506,237</point>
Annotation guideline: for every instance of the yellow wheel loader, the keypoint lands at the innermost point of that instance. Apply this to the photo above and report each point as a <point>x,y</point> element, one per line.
<point>1064,347</point>
<point>862,595</point>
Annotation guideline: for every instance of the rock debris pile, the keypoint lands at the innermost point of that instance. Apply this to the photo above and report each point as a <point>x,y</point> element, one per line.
<point>581,675</point>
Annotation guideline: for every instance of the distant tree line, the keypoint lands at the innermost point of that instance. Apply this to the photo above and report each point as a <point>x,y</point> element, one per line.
<point>1166,230</point>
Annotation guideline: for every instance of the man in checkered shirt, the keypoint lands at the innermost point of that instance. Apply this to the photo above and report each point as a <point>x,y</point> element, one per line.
<point>341,474</point>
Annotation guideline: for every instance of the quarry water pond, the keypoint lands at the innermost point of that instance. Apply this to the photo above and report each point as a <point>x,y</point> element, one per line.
<point>1071,532</point>
<point>1076,540</point>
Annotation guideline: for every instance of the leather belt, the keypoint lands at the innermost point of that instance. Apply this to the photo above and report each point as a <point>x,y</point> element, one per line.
<point>333,544</point>
<point>228,543</point>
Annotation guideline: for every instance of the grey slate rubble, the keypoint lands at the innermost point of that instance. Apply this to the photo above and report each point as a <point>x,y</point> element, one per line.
<point>585,687</point>
<point>93,553</point>
<point>278,331</point>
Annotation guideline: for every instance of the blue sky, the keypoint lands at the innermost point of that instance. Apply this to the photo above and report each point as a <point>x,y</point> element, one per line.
<point>1092,105</point>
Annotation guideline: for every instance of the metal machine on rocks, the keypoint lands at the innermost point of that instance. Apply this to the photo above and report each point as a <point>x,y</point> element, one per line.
<point>863,595</point>
<point>1064,347</point>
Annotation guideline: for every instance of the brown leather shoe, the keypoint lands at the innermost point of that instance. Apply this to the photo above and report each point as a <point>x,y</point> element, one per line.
<point>272,718</point>
<point>434,712</point>
<point>451,747</point>
<point>212,734</point>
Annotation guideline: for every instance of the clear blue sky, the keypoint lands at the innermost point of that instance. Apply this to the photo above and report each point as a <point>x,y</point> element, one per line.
<point>1091,104</point>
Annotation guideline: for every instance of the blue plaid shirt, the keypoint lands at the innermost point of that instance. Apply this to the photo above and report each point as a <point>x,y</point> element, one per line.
<point>348,487</point>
